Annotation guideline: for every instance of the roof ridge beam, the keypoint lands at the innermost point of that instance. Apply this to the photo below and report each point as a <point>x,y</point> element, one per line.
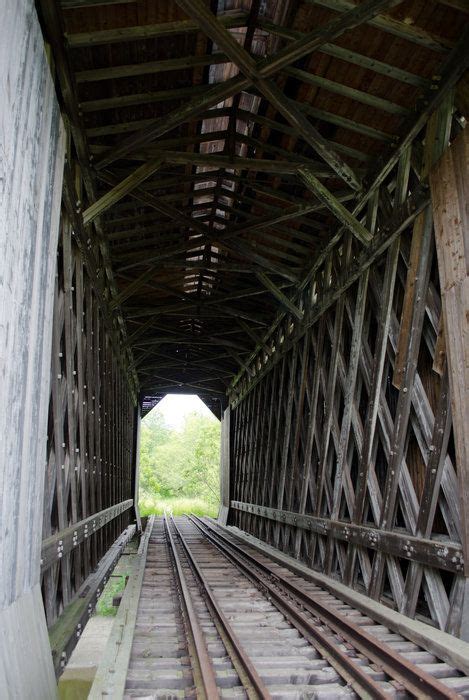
<point>212,27</point>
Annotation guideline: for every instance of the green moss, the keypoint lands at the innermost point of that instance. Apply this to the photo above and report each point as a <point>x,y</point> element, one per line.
<point>114,586</point>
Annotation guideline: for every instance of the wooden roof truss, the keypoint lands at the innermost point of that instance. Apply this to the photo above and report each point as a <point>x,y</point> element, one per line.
<point>224,152</point>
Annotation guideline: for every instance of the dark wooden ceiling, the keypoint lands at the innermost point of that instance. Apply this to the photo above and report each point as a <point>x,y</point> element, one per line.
<point>242,132</point>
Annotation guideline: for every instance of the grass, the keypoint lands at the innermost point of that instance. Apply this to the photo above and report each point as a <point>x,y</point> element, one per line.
<point>115,585</point>
<point>154,505</point>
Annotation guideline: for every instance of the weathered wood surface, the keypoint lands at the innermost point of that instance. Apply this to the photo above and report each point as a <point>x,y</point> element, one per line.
<point>449,182</point>
<point>454,651</point>
<point>66,631</point>
<point>225,467</point>
<point>91,448</point>
<point>31,162</point>
<point>55,547</point>
<point>359,476</point>
<point>113,666</point>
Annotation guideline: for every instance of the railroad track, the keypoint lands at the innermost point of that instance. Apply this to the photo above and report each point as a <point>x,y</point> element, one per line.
<point>217,619</point>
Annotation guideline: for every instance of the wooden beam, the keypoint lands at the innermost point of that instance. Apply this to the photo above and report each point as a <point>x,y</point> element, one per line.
<point>449,181</point>
<point>427,551</point>
<point>216,161</point>
<point>253,335</point>
<point>149,68</point>
<point>269,66</point>
<point>336,88</point>
<point>454,66</point>
<point>63,634</point>
<point>279,295</point>
<point>113,666</point>
<point>338,209</point>
<point>210,25</point>
<point>146,31</point>
<point>121,190</point>
<point>74,4</point>
<point>403,30</point>
<point>139,98</point>
<point>56,546</point>
<point>350,56</point>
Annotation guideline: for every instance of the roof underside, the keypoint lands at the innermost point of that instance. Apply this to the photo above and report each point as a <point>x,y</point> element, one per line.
<point>234,131</point>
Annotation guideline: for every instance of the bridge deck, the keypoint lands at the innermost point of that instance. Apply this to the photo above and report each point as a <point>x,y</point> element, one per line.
<point>205,614</point>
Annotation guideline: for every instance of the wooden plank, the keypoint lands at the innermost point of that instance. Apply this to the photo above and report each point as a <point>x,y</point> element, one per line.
<point>64,634</point>
<point>449,181</point>
<point>427,551</point>
<point>33,150</point>
<point>348,399</point>
<point>112,670</point>
<point>61,543</point>
<point>73,4</point>
<point>149,68</point>
<point>146,31</point>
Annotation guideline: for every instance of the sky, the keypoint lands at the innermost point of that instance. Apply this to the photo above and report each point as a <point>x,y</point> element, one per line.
<point>175,407</point>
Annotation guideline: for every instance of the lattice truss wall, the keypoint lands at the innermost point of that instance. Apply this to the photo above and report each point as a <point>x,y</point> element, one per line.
<point>89,484</point>
<point>343,449</point>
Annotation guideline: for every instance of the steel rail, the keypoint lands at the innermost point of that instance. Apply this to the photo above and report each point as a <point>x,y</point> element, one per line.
<point>204,663</point>
<point>352,673</point>
<point>414,679</point>
<point>247,665</point>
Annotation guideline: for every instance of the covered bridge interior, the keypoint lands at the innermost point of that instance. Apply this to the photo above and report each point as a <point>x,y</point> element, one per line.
<point>262,202</point>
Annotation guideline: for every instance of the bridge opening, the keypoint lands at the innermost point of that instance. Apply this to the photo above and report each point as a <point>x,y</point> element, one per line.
<point>179,468</point>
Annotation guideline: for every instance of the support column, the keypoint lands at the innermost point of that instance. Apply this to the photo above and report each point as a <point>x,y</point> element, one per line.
<point>31,165</point>
<point>225,468</point>
<point>449,181</point>
<point>136,462</point>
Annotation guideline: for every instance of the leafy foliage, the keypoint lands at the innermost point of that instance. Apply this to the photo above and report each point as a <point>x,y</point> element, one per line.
<point>177,464</point>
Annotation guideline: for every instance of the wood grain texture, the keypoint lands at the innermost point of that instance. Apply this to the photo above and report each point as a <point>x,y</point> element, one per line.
<point>31,165</point>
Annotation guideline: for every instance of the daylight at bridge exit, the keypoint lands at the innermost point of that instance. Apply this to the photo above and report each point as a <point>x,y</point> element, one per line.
<point>234,349</point>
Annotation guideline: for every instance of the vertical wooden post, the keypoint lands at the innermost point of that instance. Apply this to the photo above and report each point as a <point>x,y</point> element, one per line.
<point>225,468</point>
<point>32,146</point>
<point>449,182</point>
<point>136,462</point>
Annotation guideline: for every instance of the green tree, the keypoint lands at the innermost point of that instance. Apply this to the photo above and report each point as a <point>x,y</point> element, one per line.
<point>154,432</point>
<point>201,473</point>
<point>180,463</point>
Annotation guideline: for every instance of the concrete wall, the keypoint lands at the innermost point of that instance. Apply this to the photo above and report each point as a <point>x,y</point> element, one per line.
<point>31,164</point>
